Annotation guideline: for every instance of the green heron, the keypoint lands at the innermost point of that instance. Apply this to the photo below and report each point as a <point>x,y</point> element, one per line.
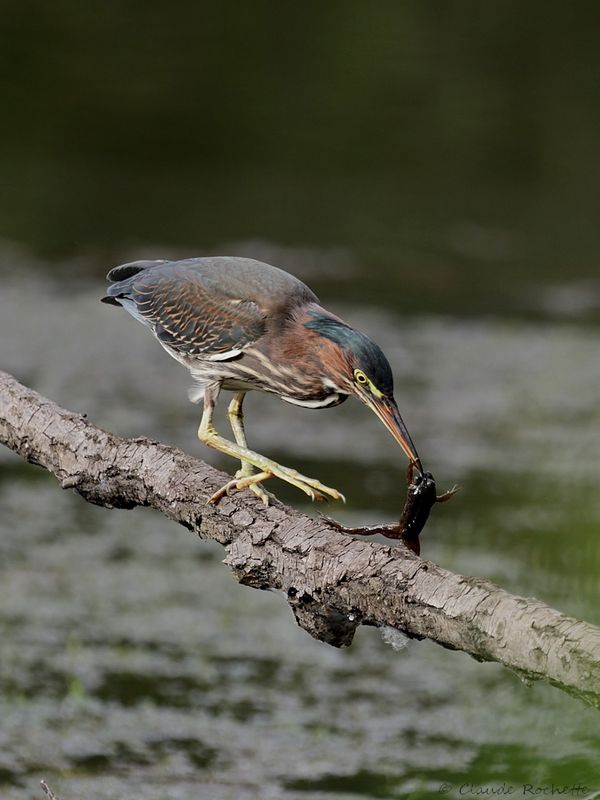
<point>238,324</point>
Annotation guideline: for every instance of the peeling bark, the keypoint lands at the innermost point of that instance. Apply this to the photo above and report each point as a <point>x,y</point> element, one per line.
<point>333,583</point>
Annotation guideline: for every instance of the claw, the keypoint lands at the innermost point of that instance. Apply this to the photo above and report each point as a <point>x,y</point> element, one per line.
<point>261,493</point>
<point>214,498</point>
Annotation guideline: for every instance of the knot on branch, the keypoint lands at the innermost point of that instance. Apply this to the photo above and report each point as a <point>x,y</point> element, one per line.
<point>323,622</point>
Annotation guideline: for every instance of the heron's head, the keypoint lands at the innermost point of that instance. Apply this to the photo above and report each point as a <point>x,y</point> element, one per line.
<point>357,366</point>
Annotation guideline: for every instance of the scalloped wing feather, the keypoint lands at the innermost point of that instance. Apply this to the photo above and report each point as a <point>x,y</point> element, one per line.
<point>195,321</point>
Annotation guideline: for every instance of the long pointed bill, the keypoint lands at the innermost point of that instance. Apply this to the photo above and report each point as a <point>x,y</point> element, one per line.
<point>388,413</point>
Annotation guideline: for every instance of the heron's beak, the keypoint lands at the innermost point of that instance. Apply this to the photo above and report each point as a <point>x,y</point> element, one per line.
<point>388,413</point>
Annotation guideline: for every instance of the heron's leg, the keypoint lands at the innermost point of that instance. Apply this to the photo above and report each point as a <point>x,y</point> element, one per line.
<point>207,434</point>
<point>236,420</point>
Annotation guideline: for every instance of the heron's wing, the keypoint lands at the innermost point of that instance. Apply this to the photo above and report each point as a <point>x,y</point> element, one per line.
<point>191,316</point>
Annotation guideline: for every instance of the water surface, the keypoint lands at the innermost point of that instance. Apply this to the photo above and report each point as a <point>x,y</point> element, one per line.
<point>132,664</point>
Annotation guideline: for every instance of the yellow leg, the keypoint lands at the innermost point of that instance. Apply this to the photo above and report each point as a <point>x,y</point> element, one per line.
<point>248,477</point>
<point>207,434</point>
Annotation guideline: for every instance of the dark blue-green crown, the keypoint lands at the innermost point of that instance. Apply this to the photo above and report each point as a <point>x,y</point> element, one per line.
<point>364,353</point>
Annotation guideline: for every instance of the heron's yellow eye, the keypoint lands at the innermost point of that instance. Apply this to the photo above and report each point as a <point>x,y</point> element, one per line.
<point>361,378</point>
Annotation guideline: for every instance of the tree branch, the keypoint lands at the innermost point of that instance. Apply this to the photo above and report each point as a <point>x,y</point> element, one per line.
<point>333,583</point>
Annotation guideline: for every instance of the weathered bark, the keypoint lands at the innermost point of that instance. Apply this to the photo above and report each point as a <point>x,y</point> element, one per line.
<point>332,582</point>
<point>48,791</point>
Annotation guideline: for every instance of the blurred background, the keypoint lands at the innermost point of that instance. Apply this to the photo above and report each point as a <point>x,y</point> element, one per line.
<point>432,170</point>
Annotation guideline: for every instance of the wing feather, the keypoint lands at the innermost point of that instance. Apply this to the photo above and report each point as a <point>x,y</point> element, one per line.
<point>191,318</point>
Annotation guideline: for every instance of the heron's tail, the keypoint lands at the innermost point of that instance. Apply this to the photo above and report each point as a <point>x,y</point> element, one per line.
<point>120,277</point>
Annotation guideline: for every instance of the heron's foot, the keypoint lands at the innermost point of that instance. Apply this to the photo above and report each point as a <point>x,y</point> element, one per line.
<point>255,485</point>
<point>250,460</point>
<point>310,486</point>
<point>248,478</point>
<point>245,480</point>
